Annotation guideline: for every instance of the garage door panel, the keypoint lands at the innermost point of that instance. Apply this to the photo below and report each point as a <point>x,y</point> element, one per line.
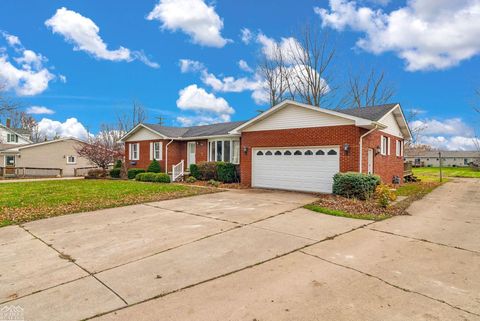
<point>272,168</point>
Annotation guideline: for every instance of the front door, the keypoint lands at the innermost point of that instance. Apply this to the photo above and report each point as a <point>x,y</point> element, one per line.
<point>191,149</point>
<point>370,161</point>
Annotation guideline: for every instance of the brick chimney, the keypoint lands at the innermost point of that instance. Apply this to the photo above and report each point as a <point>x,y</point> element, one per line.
<point>7,123</point>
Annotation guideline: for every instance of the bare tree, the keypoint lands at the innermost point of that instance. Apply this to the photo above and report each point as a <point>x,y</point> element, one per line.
<point>369,89</point>
<point>300,69</point>
<point>416,128</point>
<point>7,104</point>
<point>127,121</point>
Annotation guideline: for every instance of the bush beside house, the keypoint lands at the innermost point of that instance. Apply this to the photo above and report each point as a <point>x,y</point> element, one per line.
<point>218,171</point>
<point>132,172</point>
<point>153,177</point>
<point>154,167</point>
<point>355,185</point>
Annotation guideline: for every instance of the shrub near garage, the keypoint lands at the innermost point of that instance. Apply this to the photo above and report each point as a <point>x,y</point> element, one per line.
<point>355,185</point>
<point>227,172</point>
<point>153,177</point>
<point>207,171</point>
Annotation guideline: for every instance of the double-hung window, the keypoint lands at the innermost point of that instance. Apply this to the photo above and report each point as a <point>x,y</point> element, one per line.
<point>224,150</point>
<point>384,145</point>
<point>156,151</point>
<point>71,160</point>
<point>399,148</point>
<point>134,151</point>
<point>12,138</point>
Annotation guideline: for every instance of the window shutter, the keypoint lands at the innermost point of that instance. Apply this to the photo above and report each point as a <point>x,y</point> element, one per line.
<point>130,151</point>
<point>151,151</point>
<point>382,146</point>
<point>160,152</point>
<point>388,145</point>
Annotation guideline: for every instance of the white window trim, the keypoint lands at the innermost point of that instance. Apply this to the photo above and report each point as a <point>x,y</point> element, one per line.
<point>5,160</point>
<point>74,160</point>
<point>152,151</point>
<point>383,146</point>
<point>388,145</point>
<point>132,152</point>
<point>214,141</point>
<point>399,148</point>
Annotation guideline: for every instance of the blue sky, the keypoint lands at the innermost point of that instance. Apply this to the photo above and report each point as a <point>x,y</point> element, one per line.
<point>55,64</point>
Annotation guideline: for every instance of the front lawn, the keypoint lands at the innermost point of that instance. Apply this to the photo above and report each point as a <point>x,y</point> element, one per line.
<point>447,172</point>
<point>28,201</point>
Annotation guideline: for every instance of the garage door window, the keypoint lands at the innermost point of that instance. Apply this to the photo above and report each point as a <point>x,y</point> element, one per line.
<point>288,153</point>
<point>297,153</point>
<point>260,153</point>
<point>308,152</point>
<point>332,152</point>
<point>269,153</point>
<point>277,153</point>
<point>320,152</point>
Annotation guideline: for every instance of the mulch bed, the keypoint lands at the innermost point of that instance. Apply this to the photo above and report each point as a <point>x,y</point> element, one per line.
<point>357,207</point>
<point>222,185</point>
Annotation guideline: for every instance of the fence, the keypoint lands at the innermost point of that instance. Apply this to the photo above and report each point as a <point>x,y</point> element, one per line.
<point>30,172</point>
<point>83,171</point>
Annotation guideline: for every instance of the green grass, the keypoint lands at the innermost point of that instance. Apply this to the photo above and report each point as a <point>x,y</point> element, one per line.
<point>329,211</point>
<point>447,172</point>
<point>27,201</point>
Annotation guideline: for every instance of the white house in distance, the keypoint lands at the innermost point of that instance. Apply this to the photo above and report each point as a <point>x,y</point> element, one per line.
<point>49,158</point>
<point>449,158</point>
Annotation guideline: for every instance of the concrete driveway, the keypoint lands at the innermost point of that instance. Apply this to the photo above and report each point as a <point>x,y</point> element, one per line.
<point>248,255</point>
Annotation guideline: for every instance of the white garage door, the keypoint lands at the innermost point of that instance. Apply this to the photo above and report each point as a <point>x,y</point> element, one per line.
<point>296,168</point>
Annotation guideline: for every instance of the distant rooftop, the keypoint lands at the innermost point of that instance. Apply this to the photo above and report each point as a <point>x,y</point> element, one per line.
<point>445,153</point>
<point>195,131</point>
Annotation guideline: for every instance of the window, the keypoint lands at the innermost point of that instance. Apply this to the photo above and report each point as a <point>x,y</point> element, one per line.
<point>12,138</point>
<point>399,148</point>
<point>288,153</point>
<point>278,153</point>
<point>332,152</point>
<point>134,151</point>
<point>71,160</point>
<point>9,160</point>
<point>259,153</point>
<point>269,153</point>
<point>308,152</point>
<point>384,145</point>
<point>156,151</point>
<point>320,152</point>
<point>224,150</point>
<point>465,161</point>
<point>297,152</point>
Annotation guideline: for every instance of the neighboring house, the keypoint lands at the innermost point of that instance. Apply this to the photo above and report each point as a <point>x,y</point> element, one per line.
<point>291,146</point>
<point>59,153</point>
<point>10,137</point>
<point>449,158</point>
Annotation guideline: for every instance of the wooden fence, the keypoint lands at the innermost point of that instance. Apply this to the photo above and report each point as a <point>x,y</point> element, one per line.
<point>30,172</point>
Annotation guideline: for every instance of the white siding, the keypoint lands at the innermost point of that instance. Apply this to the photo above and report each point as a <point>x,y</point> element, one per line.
<point>143,134</point>
<point>297,117</point>
<point>393,128</point>
<point>3,138</point>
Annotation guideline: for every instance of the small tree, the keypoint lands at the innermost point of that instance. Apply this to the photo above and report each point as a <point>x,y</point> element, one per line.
<point>154,167</point>
<point>118,164</point>
<point>98,152</point>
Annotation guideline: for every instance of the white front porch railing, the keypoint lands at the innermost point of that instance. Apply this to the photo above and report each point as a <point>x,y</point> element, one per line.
<point>177,171</point>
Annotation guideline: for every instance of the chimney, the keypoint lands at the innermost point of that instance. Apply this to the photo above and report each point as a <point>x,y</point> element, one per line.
<point>7,123</point>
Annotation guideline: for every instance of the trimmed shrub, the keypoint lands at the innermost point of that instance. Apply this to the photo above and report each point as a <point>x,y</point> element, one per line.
<point>227,172</point>
<point>115,172</point>
<point>194,171</point>
<point>384,195</point>
<point>153,177</point>
<point>355,185</point>
<point>132,172</point>
<point>191,179</point>
<point>207,171</point>
<point>118,164</point>
<point>154,167</point>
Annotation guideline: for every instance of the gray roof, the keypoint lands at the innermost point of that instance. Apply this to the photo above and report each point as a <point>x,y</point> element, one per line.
<point>21,131</point>
<point>445,153</point>
<point>373,113</point>
<point>195,131</point>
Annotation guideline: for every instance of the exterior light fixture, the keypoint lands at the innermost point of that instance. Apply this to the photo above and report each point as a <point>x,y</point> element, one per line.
<point>245,150</point>
<point>377,150</point>
<point>346,148</point>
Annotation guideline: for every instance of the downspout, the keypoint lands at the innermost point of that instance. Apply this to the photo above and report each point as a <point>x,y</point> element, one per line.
<point>361,145</point>
<point>166,156</point>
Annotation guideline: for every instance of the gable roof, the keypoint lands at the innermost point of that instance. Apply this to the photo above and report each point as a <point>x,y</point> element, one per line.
<point>374,113</point>
<point>16,148</point>
<point>220,129</point>
<point>24,133</point>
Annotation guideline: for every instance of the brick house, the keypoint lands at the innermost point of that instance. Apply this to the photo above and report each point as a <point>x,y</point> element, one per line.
<point>291,146</point>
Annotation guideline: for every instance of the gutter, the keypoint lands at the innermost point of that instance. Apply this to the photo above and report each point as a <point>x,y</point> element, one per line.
<point>166,155</point>
<point>361,144</point>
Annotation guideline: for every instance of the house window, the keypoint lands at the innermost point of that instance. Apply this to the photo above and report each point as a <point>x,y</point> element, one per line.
<point>308,152</point>
<point>384,145</point>
<point>134,151</point>
<point>465,161</point>
<point>320,152</point>
<point>399,148</point>
<point>9,160</point>
<point>71,160</point>
<point>12,138</point>
<point>332,152</point>
<point>156,152</point>
<point>224,150</point>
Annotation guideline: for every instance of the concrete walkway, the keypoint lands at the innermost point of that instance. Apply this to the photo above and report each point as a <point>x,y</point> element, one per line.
<point>248,255</point>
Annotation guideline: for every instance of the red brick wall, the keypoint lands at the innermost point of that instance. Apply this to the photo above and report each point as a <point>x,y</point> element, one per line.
<point>386,166</point>
<point>177,151</point>
<point>319,136</point>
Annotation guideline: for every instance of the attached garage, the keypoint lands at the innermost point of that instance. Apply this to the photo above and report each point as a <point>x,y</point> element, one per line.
<point>309,169</point>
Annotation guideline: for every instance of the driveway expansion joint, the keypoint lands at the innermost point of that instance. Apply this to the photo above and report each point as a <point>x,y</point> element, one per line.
<point>390,284</point>
<point>425,240</point>
<point>71,260</point>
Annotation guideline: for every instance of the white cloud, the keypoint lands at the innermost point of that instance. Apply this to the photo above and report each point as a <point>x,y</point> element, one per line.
<point>427,34</point>
<point>449,143</point>
<point>39,110</point>
<point>187,65</point>
<point>193,17</point>
<point>62,78</point>
<point>70,128</point>
<point>206,106</point>
<point>290,47</point>
<point>83,33</point>
<point>246,35</point>
<point>244,66</point>
<point>25,74</point>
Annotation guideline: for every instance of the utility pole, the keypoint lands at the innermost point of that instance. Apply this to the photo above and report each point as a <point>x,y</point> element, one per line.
<point>440,159</point>
<point>161,120</point>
